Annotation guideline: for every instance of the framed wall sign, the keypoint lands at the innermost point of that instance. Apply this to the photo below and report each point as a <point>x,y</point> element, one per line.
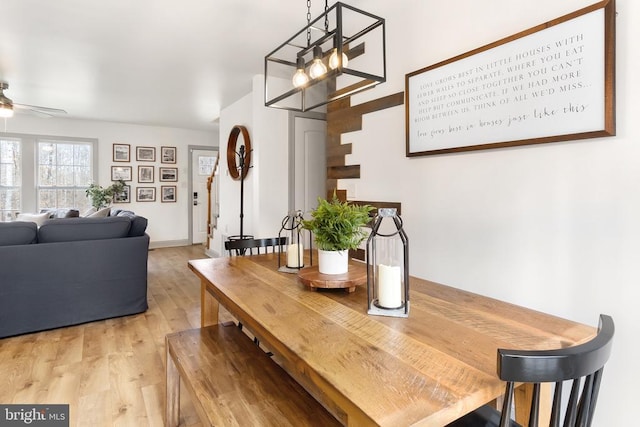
<point>553,82</point>
<point>168,193</point>
<point>145,174</point>
<point>168,154</point>
<point>124,197</point>
<point>121,152</point>
<point>121,173</point>
<point>169,174</point>
<point>146,154</point>
<point>145,194</point>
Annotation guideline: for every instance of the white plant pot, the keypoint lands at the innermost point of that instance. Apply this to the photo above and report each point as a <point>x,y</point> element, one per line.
<point>333,262</point>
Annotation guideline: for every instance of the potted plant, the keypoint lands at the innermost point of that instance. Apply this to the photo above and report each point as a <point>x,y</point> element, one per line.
<point>102,197</point>
<point>337,227</point>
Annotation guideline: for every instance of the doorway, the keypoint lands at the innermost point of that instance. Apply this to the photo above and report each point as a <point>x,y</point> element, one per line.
<point>308,163</point>
<point>202,160</point>
<point>308,173</point>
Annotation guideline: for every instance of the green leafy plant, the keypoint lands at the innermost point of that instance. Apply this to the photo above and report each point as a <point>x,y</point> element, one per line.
<point>337,226</point>
<point>102,197</point>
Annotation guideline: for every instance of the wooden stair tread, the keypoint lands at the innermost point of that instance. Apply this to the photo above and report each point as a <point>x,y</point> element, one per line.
<point>233,382</point>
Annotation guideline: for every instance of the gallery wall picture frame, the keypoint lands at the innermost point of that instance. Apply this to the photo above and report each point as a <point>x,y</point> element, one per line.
<point>123,173</point>
<point>168,155</point>
<point>146,154</point>
<point>553,82</point>
<point>168,174</point>
<point>168,193</point>
<point>145,194</point>
<point>124,197</point>
<point>145,174</point>
<point>121,152</point>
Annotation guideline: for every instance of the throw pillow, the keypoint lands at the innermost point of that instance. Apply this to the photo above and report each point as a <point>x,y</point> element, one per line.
<point>88,212</point>
<point>102,213</point>
<point>39,219</point>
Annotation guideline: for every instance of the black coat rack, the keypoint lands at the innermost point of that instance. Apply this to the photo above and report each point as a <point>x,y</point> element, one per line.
<point>239,163</point>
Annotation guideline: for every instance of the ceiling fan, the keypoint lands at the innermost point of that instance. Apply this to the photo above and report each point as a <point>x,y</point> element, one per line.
<point>7,106</point>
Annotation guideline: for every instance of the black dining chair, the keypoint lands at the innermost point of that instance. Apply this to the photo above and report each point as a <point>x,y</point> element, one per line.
<point>582,365</point>
<point>242,247</point>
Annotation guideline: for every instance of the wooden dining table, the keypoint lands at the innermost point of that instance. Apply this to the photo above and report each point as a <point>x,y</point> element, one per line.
<point>428,369</point>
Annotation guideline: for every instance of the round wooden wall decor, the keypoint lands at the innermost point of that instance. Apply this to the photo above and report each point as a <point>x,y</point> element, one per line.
<point>231,151</point>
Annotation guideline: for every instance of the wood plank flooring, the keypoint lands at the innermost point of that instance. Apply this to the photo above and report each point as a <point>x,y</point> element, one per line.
<point>110,372</point>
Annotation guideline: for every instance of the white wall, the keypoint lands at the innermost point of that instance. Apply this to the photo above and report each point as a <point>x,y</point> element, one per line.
<point>271,151</point>
<point>554,227</point>
<point>266,185</point>
<point>168,222</point>
<point>239,113</point>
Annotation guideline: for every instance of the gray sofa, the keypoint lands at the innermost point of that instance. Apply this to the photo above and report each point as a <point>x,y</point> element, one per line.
<point>71,271</point>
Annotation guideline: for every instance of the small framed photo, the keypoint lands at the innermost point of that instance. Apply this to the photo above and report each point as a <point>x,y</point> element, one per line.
<point>146,154</point>
<point>168,193</point>
<point>145,174</point>
<point>168,154</point>
<point>121,152</point>
<point>169,174</point>
<point>145,194</point>
<point>124,197</point>
<point>123,173</point>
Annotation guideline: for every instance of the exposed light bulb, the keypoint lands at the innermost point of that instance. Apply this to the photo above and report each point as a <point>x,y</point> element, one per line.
<point>300,78</point>
<point>334,61</point>
<point>317,69</point>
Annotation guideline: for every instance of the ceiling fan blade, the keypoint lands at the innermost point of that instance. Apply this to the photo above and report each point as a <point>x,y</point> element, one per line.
<point>44,110</point>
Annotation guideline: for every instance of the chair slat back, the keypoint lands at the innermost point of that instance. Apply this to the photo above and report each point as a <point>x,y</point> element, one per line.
<point>582,364</point>
<point>242,247</point>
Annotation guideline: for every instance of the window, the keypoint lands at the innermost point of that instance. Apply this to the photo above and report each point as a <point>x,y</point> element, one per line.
<point>64,173</point>
<point>41,172</point>
<point>10,178</point>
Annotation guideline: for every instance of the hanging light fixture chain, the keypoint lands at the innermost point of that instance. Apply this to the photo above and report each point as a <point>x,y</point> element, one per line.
<point>326,16</point>
<point>308,23</point>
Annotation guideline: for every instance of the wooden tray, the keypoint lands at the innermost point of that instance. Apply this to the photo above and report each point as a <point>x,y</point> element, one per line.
<point>357,275</point>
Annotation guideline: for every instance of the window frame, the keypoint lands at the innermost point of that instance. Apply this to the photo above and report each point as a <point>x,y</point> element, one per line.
<point>8,214</point>
<point>30,162</point>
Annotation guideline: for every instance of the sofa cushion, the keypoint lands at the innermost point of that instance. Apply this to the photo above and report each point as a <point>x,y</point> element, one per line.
<point>73,229</point>
<point>18,233</point>
<point>138,223</point>
<point>39,219</point>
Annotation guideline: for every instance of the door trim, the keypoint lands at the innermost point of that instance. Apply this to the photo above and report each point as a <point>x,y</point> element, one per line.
<point>292,148</point>
<point>190,149</point>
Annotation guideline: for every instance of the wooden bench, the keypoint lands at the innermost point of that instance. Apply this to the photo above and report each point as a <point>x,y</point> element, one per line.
<point>233,382</point>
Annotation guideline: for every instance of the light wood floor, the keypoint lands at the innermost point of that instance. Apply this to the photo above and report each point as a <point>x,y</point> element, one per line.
<point>110,372</point>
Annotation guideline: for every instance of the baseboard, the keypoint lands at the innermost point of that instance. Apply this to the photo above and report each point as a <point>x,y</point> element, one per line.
<point>211,253</point>
<point>168,243</point>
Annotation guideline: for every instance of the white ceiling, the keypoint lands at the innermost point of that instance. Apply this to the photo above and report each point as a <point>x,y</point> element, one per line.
<point>156,62</point>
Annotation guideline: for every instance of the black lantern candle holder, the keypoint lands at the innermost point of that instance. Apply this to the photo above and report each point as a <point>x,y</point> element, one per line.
<point>388,266</point>
<point>294,256</point>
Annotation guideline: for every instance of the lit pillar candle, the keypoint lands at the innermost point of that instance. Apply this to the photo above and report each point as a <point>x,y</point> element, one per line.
<point>389,286</point>
<point>295,253</point>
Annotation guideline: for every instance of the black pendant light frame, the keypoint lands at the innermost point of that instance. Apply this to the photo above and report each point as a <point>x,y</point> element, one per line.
<point>281,63</point>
